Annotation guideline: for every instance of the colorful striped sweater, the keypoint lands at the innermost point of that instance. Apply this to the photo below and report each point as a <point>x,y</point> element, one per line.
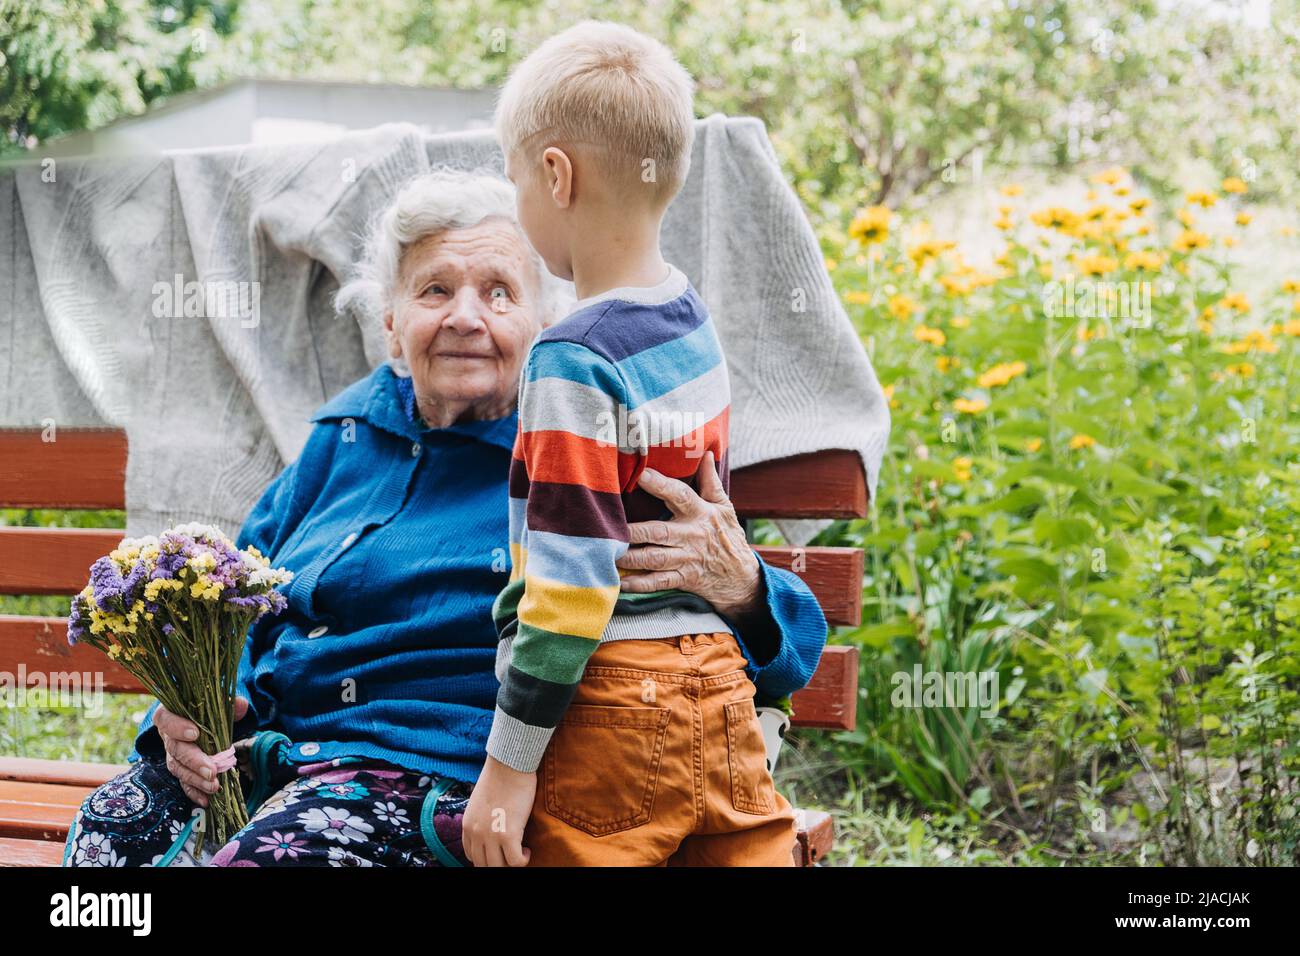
<point>633,378</point>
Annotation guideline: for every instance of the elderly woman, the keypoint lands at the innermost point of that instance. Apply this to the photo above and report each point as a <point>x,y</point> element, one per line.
<point>366,705</point>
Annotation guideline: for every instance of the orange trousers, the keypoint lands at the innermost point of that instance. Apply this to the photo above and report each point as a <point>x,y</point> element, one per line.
<point>660,761</point>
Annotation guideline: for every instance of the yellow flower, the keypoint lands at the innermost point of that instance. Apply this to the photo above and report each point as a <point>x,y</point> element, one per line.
<point>970,406</point>
<point>1186,218</point>
<point>1054,217</point>
<point>1143,230</point>
<point>1202,198</point>
<point>960,322</point>
<point>1004,223</point>
<point>830,264</point>
<point>1122,190</point>
<point>1001,374</point>
<point>1189,240</point>
<point>1255,341</point>
<point>1139,203</point>
<point>1236,301</point>
<point>871,224</point>
<point>1242,369</point>
<point>924,251</point>
<point>1229,241</point>
<point>1012,189</point>
<point>115,651</point>
<point>1082,441</point>
<point>1033,444</point>
<point>1110,177</point>
<point>1292,326</point>
<point>1144,261</point>
<point>1291,285</point>
<point>954,284</point>
<point>857,297</point>
<point>946,363</point>
<point>923,333</point>
<point>1233,185</point>
<point>962,468</point>
<point>1097,265</point>
<point>901,307</point>
<point>1244,218</point>
<point>889,396</point>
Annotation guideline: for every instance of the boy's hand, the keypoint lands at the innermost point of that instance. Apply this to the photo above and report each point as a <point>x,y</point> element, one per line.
<point>499,807</point>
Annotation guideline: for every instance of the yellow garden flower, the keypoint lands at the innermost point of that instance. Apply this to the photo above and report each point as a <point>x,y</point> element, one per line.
<point>831,264</point>
<point>1201,198</point>
<point>1110,177</point>
<point>901,307</point>
<point>970,406</point>
<point>1001,374</point>
<point>1138,204</point>
<point>1189,240</point>
<point>923,333</point>
<point>1186,217</point>
<point>1033,444</point>
<point>960,322</point>
<point>1096,265</point>
<point>962,467</point>
<point>1012,189</point>
<point>1054,217</point>
<point>1236,301</point>
<point>871,224</point>
<point>1242,369</point>
<point>1233,185</point>
<point>1291,285</point>
<point>1229,241</point>
<point>946,363</point>
<point>1144,261</point>
<point>1244,218</point>
<point>1003,223</point>
<point>1255,341</point>
<point>928,249</point>
<point>857,297</point>
<point>889,396</point>
<point>1292,326</point>
<point>1082,441</point>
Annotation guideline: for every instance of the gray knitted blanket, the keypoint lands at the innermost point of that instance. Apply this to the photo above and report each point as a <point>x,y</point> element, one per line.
<point>186,298</point>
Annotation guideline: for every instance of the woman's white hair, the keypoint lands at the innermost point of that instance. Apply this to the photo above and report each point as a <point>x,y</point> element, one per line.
<point>431,203</point>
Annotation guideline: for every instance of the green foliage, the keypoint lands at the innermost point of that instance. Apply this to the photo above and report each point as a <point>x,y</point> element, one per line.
<point>1099,508</point>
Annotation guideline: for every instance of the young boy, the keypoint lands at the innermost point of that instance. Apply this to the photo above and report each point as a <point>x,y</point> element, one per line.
<point>634,708</point>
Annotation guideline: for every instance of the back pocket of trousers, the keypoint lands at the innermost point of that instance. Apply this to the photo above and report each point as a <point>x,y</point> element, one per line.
<point>752,790</point>
<point>601,768</point>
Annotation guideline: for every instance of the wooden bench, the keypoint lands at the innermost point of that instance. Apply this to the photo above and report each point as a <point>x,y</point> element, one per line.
<point>86,469</point>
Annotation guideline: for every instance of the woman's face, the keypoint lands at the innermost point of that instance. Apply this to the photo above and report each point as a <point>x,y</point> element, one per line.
<point>466,312</point>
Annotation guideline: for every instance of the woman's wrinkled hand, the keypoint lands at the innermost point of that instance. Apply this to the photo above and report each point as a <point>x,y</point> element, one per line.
<point>702,550</point>
<point>196,771</point>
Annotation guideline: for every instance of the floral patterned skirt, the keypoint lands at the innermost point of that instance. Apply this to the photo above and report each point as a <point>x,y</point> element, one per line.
<point>345,812</point>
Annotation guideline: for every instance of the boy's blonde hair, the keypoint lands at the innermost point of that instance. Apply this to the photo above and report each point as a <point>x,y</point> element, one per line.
<point>608,86</point>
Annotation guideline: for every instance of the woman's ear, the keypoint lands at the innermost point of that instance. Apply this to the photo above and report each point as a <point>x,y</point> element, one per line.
<point>394,343</point>
<point>559,176</point>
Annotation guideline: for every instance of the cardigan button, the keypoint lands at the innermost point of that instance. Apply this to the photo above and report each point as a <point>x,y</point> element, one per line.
<point>310,750</point>
<point>318,631</point>
<point>347,542</point>
<point>415,450</point>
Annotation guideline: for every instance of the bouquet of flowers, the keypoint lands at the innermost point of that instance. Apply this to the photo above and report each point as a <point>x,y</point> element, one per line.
<point>174,611</point>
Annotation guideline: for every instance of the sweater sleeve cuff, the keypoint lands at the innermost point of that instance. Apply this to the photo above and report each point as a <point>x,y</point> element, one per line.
<point>517,744</point>
<point>802,630</point>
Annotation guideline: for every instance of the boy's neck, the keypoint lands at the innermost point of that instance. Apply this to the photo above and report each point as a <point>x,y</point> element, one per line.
<point>626,256</point>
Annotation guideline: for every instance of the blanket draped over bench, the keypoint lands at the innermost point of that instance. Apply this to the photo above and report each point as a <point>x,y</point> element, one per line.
<point>104,263</point>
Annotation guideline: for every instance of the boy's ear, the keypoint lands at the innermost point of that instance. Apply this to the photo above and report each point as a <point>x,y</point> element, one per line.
<point>559,176</point>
